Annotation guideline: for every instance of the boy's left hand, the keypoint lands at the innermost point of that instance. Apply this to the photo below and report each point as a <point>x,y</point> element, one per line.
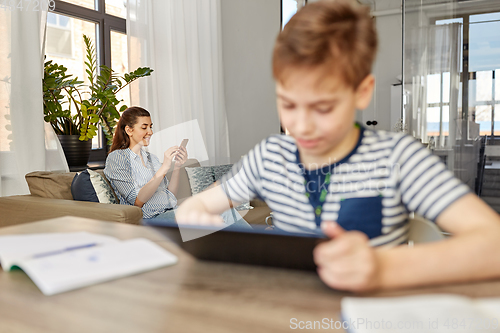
<point>346,262</point>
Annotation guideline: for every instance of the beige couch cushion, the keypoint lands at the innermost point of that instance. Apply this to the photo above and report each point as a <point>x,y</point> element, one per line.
<point>50,184</point>
<point>184,190</point>
<point>19,209</point>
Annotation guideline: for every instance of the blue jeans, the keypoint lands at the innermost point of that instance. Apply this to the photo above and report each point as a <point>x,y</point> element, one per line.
<point>231,217</point>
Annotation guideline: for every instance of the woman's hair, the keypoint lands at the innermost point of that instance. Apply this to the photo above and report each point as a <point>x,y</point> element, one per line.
<point>338,36</point>
<point>129,117</point>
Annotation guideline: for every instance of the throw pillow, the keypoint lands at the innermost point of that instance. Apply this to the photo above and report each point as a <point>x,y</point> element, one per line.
<point>199,178</point>
<point>90,186</point>
<point>102,188</point>
<point>82,189</point>
<point>50,184</point>
<point>202,177</point>
<point>221,170</point>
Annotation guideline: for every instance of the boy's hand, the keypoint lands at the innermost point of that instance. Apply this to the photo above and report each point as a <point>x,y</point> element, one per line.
<point>198,218</point>
<point>347,261</point>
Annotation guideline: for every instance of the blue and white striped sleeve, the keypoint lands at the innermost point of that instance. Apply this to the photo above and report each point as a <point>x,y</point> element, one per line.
<point>118,170</point>
<point>427,186</point>
<point>243,182</point>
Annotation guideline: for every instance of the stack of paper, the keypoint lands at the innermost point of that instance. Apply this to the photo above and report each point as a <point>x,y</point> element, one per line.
<point>59,262</point>
<point>422,313</point>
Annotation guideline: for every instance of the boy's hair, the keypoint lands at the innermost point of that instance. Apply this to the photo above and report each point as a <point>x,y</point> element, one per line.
<point>338,35</point>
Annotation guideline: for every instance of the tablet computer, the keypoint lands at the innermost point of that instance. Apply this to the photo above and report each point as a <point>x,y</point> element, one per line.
<point>256,246</point>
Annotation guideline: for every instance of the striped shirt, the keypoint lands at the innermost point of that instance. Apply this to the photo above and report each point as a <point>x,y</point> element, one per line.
<point>127,175</point>
<point>373,189</point>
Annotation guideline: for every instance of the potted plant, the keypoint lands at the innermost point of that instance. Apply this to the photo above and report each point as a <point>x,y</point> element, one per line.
<point>75,110</point>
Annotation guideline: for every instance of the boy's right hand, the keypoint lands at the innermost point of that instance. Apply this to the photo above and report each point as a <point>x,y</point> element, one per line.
<point>347,262</point>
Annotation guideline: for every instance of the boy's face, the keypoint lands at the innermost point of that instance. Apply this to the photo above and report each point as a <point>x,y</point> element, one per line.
<point>319,113</point>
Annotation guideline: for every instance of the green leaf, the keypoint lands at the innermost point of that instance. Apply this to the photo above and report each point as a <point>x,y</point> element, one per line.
<point>84,111</point>
<point>113,114</point>
<point>51,106</point>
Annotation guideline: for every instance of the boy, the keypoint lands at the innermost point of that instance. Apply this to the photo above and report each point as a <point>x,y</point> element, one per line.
<point>356,184</point>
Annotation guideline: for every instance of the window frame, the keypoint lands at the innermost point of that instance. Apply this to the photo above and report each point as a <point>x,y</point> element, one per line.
<point>466,75</point>
<point>69,29</point>
<point>104,24</point>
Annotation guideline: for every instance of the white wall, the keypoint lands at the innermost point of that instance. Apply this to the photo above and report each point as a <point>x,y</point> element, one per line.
<point>249,29</point>
<point>386,69</point>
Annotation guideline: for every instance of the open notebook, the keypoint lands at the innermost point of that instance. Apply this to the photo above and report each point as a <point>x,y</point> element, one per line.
<point>422,313</point>
<point>58,262</point>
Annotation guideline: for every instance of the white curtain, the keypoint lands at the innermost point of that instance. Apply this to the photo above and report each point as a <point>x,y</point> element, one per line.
<point>433,51</point>
<point>181,42</point>
<point>434,110</point>
<point>26,143</point>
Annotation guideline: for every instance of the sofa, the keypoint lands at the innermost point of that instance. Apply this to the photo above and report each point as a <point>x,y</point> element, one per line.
<point>51,197</point>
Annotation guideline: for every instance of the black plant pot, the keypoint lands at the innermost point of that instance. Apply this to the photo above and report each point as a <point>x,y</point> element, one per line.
<point>77,152</point>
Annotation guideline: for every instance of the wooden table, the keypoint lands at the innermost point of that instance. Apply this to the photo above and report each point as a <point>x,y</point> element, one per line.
<point>192,296</point>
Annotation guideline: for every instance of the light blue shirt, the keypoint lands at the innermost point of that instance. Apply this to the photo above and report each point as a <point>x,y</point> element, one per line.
<point>127,175</point>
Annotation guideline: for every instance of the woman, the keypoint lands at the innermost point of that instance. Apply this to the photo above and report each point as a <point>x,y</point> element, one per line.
<point>137,176</point>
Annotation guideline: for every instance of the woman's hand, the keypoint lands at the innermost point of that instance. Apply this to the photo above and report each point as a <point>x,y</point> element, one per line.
<point>181,157</point>
<point>347,261</point>
<point>168,155</point>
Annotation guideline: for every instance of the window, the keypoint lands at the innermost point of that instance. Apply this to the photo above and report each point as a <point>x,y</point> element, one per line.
<point>289,8</point>
<point>91,4</point>
<point>119,62</point>
<point>117,8</point>
<point>59,35</point>
<point>484,61</point>
<point>104,22</point>
<point>481,60</point>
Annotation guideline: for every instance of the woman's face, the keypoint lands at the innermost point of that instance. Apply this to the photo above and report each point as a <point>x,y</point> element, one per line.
<point>141,132</point>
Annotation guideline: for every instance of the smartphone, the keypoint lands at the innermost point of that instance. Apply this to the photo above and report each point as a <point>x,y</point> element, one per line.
<point>183,144</point>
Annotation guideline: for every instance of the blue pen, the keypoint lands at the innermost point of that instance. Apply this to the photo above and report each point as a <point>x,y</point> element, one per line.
<point>68,249</point>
